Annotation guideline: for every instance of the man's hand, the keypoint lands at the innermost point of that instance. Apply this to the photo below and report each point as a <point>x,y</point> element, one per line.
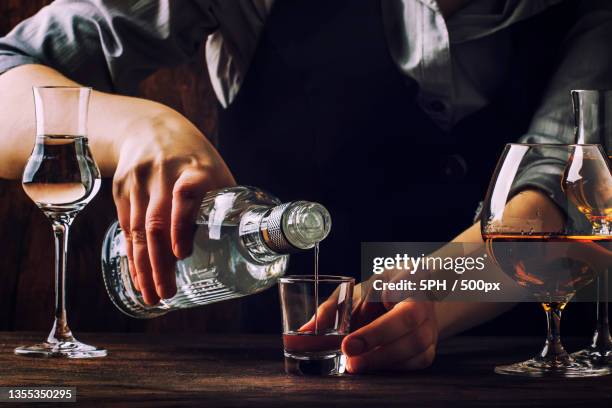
<point>387,336</point>
<point>161,164</point>
<point>165,168</point>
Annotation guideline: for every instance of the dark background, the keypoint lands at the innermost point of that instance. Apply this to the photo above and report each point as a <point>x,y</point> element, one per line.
<point>26,254</point>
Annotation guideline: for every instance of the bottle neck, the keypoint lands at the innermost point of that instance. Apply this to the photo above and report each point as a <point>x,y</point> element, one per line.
<point>272,233</point>
<point>284,229</point>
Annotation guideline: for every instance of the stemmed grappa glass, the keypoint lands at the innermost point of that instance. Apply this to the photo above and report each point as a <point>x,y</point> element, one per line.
<point>593,121</point>
<point>548,248</point>
<point>61,177</point>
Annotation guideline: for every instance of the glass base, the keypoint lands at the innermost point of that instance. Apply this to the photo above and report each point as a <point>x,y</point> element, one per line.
<point>537,367</point>
<point>62,349</point>
<point>315,364</point>
<point>594,356</point>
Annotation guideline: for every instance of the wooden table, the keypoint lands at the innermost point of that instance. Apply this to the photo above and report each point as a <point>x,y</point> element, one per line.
<point>246,370</point>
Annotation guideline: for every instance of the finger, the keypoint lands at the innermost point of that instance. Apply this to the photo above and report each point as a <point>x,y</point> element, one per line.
<point>402,319</point>
<point>138,208</point>
<point>123,214</point>
<point>392,356</point>
<point>157,225</point>
<point>187,196</point>
<point>366,307</point>
<point>418,362</point>
<point>325,316</point>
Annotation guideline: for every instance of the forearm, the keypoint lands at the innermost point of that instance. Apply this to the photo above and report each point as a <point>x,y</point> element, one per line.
<point>455,317</point>
<point>110,118</point>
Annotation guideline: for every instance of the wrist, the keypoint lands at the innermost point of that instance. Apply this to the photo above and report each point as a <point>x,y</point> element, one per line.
<point>117,122</point>
<point>149,123</point>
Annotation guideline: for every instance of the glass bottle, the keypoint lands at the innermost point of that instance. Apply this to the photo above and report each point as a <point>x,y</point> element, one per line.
<point>241,247</point>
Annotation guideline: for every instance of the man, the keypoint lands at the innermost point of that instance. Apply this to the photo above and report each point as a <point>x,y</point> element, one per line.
<point>390,112</point>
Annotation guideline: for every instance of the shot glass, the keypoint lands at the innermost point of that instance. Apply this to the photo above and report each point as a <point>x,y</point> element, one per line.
<point>316,317</point>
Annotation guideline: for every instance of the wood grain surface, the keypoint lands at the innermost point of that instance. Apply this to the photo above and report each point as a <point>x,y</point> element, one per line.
<point>247,371</point>
<point>26,246</point>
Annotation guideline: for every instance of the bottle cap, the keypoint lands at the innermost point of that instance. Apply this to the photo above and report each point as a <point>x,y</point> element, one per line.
<point>296,226</point>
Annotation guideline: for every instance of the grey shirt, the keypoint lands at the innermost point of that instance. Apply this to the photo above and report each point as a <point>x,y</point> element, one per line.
<point>113,44</point>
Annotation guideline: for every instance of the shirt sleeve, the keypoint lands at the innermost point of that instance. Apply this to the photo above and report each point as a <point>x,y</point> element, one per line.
<point>585,63</point>
<point>109,44</point>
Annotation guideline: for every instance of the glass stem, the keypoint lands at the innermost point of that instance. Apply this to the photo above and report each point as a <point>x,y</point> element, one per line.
<point>553,348</point>
<point>601,339</point>
<point>61,227</point>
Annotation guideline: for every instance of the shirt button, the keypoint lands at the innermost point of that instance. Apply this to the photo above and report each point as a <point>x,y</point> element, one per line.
<point>437,106</point>
<point>454,167</point>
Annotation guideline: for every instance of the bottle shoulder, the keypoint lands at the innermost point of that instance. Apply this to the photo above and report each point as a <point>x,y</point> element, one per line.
<point>225,206</point>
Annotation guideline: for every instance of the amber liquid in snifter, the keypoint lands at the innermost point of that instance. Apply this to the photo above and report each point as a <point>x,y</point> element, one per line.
<point>546,267</point>
<point>595,202</point>
<point>557,271</point>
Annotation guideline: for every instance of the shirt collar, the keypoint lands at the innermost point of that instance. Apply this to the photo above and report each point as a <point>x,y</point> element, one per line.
<point>432,4</point>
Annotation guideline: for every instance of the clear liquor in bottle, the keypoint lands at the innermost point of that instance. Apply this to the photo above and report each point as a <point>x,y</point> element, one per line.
<point>241,247</point>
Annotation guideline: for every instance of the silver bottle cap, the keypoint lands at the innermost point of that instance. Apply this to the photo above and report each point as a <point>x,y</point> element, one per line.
<point>295,226</point>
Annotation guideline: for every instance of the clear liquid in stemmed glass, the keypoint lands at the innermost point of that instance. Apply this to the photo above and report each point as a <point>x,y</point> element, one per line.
<point>61,177</point>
